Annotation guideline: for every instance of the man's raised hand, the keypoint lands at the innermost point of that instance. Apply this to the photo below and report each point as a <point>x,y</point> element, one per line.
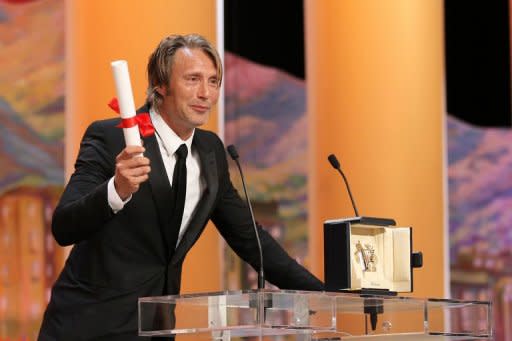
<point>132,169</point>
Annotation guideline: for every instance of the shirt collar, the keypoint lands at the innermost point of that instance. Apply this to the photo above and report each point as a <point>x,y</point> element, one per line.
<point>168,137</point>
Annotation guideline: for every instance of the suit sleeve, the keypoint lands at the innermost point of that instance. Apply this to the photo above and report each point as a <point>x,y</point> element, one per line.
<point>83,208</point>
<point>232,218</point>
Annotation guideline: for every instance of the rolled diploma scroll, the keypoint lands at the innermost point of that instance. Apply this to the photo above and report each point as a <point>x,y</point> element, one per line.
<point>125,99</point>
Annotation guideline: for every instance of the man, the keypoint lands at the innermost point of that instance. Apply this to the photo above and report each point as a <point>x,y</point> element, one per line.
<point>129,230</point>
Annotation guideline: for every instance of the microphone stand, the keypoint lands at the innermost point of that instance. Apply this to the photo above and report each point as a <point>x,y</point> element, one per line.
<point>261,276</point>
<point>336,165</point>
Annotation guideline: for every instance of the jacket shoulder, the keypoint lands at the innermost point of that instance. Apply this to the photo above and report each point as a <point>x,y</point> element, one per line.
<point>208,139</point>
<point>103,124</point>
<point>207,134</point>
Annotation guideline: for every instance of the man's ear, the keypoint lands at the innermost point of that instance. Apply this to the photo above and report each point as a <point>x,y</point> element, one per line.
<point>161,90</point>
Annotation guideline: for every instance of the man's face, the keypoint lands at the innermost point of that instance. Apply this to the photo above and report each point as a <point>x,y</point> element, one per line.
<point>192,91</point>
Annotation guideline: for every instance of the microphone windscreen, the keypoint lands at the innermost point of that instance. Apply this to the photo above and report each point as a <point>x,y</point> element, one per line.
<point>333,161</point>
<point>232,152</point>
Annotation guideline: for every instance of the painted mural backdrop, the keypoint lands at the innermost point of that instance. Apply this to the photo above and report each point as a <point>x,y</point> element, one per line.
<point>31,159</point>
<point>265,117</point>
<point>480,199</point>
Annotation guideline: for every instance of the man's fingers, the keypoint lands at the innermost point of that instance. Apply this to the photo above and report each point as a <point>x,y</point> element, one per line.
<point>129,152</point>
<point>132,162</point>
<point>131,172</point>
<point>129,184</point>
<point>140,179</point>
<point>134,149</point>
<point>135,182</point>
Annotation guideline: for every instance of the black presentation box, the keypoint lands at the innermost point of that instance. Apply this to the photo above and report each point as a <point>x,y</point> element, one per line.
<point>368,255</point>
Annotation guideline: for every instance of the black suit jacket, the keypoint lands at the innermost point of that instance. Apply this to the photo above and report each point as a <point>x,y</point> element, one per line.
<point>117,258</point>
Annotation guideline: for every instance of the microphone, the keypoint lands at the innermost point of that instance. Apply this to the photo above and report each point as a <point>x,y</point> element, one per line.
<point>336,165</point>
<point>261,276</point>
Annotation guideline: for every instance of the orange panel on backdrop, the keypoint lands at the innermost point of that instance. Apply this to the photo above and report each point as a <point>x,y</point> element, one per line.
<point>102,31</point>
<point>376,100</point>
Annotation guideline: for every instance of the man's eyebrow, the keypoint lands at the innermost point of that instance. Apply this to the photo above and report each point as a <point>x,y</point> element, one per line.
<point>200,74</point>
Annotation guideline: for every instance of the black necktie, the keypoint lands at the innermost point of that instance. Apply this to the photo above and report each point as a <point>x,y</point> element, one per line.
<point>179,189</point>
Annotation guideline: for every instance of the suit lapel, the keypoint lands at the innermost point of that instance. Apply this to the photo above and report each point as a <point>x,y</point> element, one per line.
<point>160,186</point>
<point>201,214</point>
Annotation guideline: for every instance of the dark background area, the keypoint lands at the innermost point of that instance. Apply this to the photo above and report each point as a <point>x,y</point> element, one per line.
<point>267,32</point>
<point>477,43</point>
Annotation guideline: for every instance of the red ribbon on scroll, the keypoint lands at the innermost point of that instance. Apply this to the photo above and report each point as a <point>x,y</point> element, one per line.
<point>143,120</point>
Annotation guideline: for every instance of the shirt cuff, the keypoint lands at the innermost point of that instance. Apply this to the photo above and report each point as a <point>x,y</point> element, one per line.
<point>114,200</point>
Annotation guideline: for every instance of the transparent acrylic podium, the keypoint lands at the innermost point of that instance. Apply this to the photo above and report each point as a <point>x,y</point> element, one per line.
<point>304,315</point>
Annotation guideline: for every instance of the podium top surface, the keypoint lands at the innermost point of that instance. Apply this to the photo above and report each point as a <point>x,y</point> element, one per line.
<point>289,312</point>
<point>345,300</point>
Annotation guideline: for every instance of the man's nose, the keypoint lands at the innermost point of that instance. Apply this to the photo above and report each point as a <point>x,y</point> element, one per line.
<point>204,90</point>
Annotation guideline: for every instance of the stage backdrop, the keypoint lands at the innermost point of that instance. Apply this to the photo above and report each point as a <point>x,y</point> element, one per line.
<point>479,137</point>
<point>265,118</point>
<point>480,184</point>
<point>31,155</point>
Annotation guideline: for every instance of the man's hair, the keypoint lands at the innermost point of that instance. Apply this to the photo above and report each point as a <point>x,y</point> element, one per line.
<point>161,60</point>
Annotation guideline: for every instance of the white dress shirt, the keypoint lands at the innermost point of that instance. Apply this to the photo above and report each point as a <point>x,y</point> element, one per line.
<point>169,142</point>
